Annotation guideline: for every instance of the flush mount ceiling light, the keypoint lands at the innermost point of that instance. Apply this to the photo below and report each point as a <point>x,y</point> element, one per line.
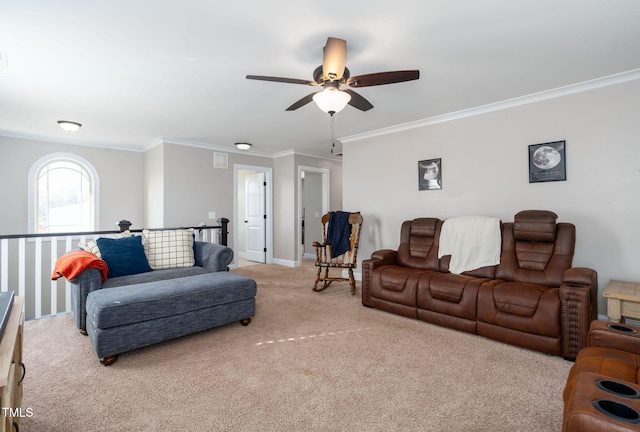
<point>243,146</point>
<point>69,126</point>
<point>331,100</point>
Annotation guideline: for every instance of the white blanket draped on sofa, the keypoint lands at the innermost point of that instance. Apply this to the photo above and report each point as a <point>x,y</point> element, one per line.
<point>472,242</point>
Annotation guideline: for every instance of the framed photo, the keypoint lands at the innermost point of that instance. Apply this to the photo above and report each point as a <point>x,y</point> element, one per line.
<point>430,174</point>
<point>547,162</point>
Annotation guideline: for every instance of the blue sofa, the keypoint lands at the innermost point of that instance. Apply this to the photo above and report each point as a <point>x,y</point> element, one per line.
<point>133,311</point>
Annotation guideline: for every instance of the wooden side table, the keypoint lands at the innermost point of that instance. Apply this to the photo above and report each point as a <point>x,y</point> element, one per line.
<point>623,300</point>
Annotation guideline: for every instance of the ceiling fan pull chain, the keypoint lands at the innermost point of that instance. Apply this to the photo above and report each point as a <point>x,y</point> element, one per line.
<point>333,144</point>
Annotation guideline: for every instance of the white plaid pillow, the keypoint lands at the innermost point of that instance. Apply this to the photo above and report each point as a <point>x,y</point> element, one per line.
<point>92,245</point>
<point>169,248</point>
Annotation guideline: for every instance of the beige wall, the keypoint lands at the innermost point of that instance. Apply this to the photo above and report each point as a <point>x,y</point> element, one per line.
<point>154,187</point>
<point>284,210</point>
<point>167,185</point>
<point>485,172</point>
<point>120,173</point>
<point>311,205</point>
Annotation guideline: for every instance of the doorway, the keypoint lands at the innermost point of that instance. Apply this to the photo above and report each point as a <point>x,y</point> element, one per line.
<point>253,227</point>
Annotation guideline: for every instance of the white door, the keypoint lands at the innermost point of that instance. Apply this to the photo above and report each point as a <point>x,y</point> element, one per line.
<point>255,217</point>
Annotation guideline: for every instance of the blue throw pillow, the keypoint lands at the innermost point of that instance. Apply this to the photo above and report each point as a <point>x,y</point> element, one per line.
<point>124,256</point>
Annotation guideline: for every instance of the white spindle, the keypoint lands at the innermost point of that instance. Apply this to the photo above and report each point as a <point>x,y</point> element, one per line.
<point>38,277</point>
<point>54,284</point>
<point>4,265</point>
<point>22,265</point>
<point>67,284</point>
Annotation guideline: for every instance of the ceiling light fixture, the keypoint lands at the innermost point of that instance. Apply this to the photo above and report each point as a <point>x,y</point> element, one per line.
<point>331,100</point>
<point>69,126</point>
<point>243,146</point>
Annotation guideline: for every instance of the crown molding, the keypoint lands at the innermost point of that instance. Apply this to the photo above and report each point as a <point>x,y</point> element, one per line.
<point>299,153</point>
<point>197,144</point>
<point>55,140</point>
<point>163,140</point>
<point>509,103</point>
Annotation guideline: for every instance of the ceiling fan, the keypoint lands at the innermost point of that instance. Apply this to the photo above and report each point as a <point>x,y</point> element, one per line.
<point>332,74</point>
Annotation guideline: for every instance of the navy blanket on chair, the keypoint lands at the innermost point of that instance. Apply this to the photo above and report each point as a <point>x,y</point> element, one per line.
<point>338,233</point>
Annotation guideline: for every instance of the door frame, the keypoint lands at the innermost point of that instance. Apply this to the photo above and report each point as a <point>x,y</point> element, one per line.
<point>268,176</point>
<point>325,203</point>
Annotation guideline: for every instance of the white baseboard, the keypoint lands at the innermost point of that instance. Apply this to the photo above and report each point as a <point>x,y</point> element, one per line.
<point>286,263</point>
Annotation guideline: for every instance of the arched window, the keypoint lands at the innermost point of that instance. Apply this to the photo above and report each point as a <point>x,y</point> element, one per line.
<point>63,195</point>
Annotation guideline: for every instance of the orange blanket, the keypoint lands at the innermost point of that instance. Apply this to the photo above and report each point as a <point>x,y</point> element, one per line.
<point>71,264</point>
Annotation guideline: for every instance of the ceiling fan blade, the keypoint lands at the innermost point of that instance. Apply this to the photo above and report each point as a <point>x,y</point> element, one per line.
<point>280,79</point>
<point>382,78</point>
<point>302,102</point>
<point>335,58</point>
<point>357,101</point>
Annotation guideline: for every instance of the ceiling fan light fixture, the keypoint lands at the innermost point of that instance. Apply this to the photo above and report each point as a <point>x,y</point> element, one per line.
<point>244,146</point>
<point>331,100</point>
<point>69,126</point>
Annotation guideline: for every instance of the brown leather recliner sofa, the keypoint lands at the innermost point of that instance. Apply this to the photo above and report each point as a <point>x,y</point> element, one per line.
<point>533,298</point>
<point>603,388</point>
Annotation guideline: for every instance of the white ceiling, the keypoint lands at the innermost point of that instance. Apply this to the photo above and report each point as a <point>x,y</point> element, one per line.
<point>132,71</point>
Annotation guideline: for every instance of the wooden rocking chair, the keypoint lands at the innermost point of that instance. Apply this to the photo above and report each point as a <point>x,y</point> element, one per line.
<point>345,261</point>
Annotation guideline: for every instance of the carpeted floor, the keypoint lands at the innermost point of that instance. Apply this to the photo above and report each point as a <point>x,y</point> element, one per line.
<point>308,362</point>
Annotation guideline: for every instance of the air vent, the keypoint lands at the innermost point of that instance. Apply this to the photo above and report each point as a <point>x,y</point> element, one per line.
<point>220,160</point>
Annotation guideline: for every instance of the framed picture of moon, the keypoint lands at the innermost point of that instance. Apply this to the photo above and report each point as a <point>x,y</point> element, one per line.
<point>430,174</point>
<point>547,162</point>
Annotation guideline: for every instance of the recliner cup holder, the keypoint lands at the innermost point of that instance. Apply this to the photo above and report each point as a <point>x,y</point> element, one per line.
<point>621,328</point>
<point>617,411</point>
<point>618,389</point>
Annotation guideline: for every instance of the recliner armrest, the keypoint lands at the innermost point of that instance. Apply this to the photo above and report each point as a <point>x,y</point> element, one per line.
<point>579,307</point>
<point>389,256</point>
<point>626,339</point>
<point>580,276</point>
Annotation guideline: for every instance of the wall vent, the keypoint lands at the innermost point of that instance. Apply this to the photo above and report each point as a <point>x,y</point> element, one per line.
<point>220,160</point>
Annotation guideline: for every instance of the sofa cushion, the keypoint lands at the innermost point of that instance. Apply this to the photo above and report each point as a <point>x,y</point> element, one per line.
<point>419,243</point>
<point>156,275</point>
<point>124,256</point>
<point>447,287</point>
<point>449,294</point>
<point>142,302</point>
<point>535,262</point>
<point>519,307</point>
<point>396,284</point>
<point>518,298</point>
<point>535,225</point>
<point>169,248</point>
<point>92,245</point>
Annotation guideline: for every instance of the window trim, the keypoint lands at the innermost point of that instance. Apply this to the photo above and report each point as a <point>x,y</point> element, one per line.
<point>35,168</point>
